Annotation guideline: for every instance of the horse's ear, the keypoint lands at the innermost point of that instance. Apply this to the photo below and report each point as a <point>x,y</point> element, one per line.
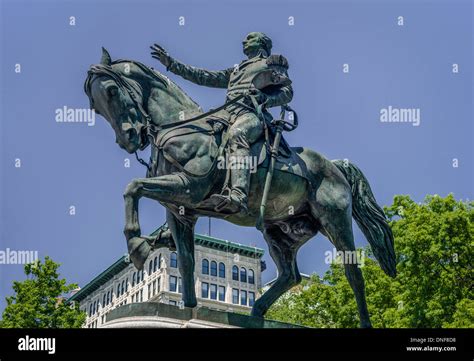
<point>106,59</point>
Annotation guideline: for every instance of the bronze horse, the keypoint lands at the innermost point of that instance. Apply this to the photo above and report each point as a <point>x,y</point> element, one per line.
<point>309,193</point>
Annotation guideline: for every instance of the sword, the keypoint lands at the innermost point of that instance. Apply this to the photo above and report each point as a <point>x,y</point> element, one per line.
<point>280,125</point>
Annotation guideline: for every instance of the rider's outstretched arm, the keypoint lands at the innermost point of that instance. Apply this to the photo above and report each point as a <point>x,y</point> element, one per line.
<point>215,79</point>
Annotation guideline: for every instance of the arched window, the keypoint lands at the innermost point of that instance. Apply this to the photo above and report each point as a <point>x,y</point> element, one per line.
<point>155,264</point>
<point>235,273</point>
<point>123,287</point>
<point>126,284</point>
<point>90,310</point>
<point>134,278</point>
<point>159,261</point>
<point>173,260</point>
<point>243,275</point>
<point>214,268</point>
<point>205,267</point>
<point>150,267</point>
<point>221,270</point>
<point>251,277</point>
<point>118,290</point>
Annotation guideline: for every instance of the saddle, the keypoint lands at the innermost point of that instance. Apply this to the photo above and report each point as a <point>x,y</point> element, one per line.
<point>215,127</point>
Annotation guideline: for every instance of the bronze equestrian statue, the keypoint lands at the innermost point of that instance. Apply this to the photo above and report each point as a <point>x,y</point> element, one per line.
<point>308,192</point>
<point>245,125</point>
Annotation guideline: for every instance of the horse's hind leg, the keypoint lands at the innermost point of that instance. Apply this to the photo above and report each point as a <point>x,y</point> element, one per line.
<point>338,228</point>
<point>182,230</point>
<point>283,251</point>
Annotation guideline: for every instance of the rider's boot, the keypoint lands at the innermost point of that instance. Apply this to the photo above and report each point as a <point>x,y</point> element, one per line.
<point>236,200</point>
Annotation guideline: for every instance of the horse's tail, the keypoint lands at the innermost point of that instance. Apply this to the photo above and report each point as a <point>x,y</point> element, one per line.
<point>370,217</point>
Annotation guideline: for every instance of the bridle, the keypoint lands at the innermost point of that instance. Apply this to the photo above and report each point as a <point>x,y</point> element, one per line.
<point>135,92</point>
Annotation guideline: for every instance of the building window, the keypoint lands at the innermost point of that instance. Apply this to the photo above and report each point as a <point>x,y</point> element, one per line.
<point>118,290</point>
<point>221,270</point>
<point>251,298</point>
<point>104,298</point>
<point>222,293</point>
<point>173,283</point>
<point>213,292</point>
<point>235,296</point>
<point>243,275</point>
<point>141,295</point>
<point>134,278</point>
<point>126,284</point>
<point>243,298</point>
<point>158,284</point>
<point>205,267</point>
<point>90,310</point>
<point>174,260</point>
<point>122,291</point>
<point>204,290</point>
<point>154,288</point>
<point>214,268</point>
<point>155,264</point>
<point>172,303</point>
<point>180,286</point>
<point>149,291</point>
<point>251,276</point>
<point>150,267</point>
<point>235,273</point>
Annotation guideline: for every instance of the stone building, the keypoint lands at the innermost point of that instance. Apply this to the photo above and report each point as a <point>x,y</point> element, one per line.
<point>227,277</point>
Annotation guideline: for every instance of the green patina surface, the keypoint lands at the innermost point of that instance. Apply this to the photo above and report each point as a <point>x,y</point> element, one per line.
<point>202,240</point>
<point>186,314</point>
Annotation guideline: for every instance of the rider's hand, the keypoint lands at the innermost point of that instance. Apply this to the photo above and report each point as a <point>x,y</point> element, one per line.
<point>259,95</point>
<point>161,54</point>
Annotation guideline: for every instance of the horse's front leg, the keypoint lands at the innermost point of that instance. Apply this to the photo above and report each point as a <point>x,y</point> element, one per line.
<point>163,189</point>
<point>182,229</point>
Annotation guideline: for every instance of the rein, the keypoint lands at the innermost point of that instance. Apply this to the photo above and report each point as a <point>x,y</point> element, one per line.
<point>151,129</point>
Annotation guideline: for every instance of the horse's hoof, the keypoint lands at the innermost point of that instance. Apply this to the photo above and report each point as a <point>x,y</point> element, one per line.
<point>257,311</point>
<point>140,249</point>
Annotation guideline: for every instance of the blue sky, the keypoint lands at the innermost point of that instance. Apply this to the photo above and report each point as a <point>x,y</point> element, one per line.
<point>407,66</point>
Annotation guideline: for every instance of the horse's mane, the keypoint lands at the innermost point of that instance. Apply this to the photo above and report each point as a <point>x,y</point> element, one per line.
<point>147,70</point>
<point>124,81</point>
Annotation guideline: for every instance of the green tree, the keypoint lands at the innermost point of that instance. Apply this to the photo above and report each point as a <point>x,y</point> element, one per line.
<point>38,301</point>
<point>434,284</point>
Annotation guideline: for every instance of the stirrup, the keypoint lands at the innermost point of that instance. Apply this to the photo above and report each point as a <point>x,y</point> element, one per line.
<point>227,203</point>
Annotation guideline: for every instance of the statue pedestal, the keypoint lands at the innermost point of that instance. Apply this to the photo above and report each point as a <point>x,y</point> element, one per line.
<point>160,315</point>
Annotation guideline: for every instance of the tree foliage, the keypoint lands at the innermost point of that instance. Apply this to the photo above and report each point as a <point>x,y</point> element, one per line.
<point>38,301</point>
<point>433,287</point>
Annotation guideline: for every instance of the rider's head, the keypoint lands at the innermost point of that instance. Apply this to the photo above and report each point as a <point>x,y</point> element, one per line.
<point>255,43</point>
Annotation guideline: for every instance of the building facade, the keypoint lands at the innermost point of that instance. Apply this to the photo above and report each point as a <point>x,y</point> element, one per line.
<point>227,277</point>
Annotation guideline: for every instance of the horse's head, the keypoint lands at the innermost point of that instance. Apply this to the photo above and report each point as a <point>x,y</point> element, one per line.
<point>119,99</point>
<point>124,92</point>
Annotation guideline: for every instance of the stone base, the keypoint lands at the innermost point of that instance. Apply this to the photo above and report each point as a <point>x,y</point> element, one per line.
<point>160,315</point>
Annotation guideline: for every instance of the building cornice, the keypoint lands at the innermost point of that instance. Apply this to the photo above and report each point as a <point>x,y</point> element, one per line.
<point>205,241</point>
